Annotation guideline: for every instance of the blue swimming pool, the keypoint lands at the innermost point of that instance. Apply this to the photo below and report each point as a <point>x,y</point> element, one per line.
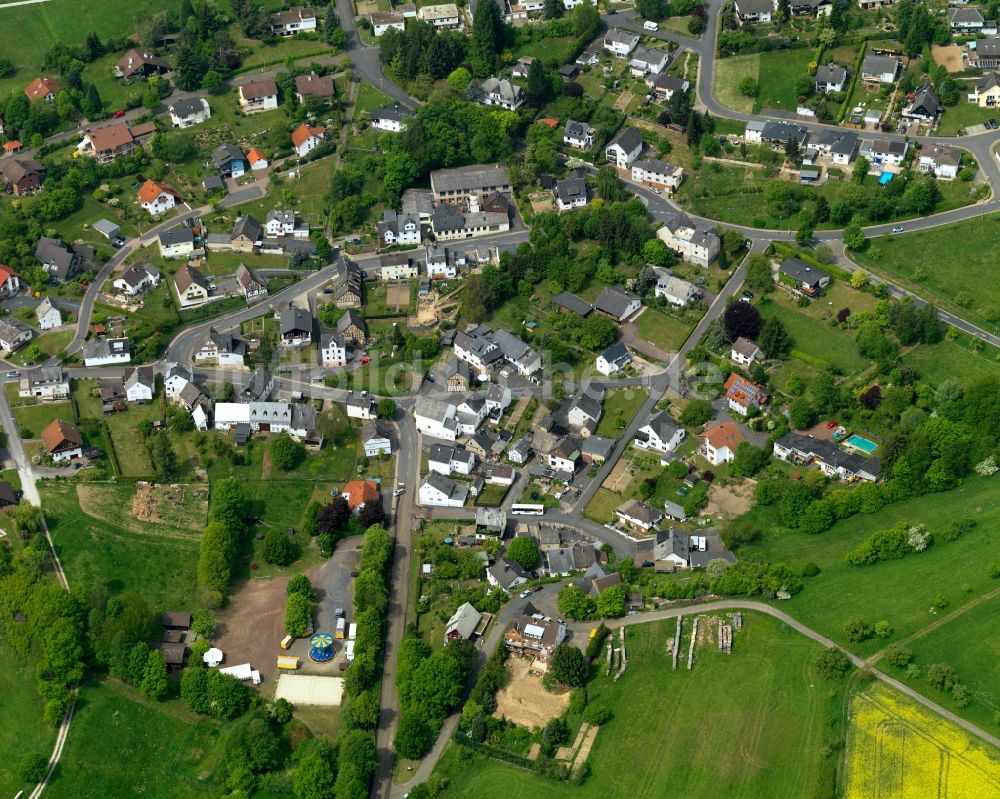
<point>884,178</point>
<point>859,442</point>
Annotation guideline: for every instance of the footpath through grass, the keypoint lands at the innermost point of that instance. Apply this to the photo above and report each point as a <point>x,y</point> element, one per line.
<point>22,730</point>
<point>756,723</point>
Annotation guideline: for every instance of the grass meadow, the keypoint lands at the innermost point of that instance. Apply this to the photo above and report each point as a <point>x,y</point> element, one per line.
<point>751,724</point>
<point>22,730</point>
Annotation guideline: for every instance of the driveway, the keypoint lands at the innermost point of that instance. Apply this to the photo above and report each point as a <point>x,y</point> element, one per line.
<point>332,581</point>
<point>720,406</point>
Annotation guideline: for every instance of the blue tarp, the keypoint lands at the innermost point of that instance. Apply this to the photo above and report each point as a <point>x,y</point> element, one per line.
<point>885,178</point>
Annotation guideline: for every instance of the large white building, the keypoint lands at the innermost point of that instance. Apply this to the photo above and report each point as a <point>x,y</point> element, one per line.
<point>695,246</point>
<point>436,418</point>
<point>437,490</point>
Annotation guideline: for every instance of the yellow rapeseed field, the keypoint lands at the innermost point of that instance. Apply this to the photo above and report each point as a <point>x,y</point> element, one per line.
<point>897,749</point>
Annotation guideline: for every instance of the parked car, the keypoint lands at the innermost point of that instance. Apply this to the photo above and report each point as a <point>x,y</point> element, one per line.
<point>897,228</point>
<point>993,124</point>
<point>831,424</point>
<point>365,359</point>
<point>13,374</point>
<point>117,242</point>
<point>748,295</point>
<point>119,113</point>
<point>398,491</point>
<point>525,594</point>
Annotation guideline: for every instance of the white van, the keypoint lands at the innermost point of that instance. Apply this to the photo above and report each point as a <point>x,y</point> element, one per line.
<point>650,26</point>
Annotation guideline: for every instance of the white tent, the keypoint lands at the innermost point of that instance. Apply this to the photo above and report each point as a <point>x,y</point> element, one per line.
<point>240,672</point>
<point>213,657</point>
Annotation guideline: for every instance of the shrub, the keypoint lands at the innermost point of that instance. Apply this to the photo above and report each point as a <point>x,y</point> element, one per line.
<point>832,663</point>
<point>596,713</point>
<point>883,629</point>
<point>858,630</point>
<point>809,569</point>
<point>898,656</point>
<point>569,666</point>
<point>32,767</point>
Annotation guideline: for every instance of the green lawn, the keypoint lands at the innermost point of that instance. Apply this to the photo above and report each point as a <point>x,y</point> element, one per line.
<point>555,50</point>
<point>44,347</point>
<point>491,495</point>
<point>161,566</point>
<point>949,360</point>
<point>953,266</point>
<point>22,730</point>
<point>601,508</point>
<point>728,74</point>
<point>620,407</point>
<point>33,419</point>
<point>780,70</point>
<point>129,446</point>
<point>121,744</point>
<point>813,337</point>
<point>665,329</point>
<point>900,591</point>
<point>370,98</point>
<point>964,644</point>
<point>957,117</point>
<point>756,723</point>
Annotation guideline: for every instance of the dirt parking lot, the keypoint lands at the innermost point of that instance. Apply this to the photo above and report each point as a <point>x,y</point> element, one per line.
<point>251,628</point>
<point>524,701</point>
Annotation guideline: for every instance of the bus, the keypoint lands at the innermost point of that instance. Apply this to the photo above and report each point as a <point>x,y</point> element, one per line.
<point>527,510</point>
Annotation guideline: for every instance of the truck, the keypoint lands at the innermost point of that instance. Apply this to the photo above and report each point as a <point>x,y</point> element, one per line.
<point>286,642</point>
<point>288,662</point>
<point>349,651</point>
<point>341,628</point>
<point>352,631</point>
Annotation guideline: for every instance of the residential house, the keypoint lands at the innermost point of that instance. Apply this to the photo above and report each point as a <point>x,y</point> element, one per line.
<point>348,291</point>
<point>136,279</point>
<point>676,291</point>
<point>44,383</point>
<point>743,395</point>
<point>942,162</point>
<point>467,184</point>
<point>448,460</point>
<point>520,451</point>
<point>42,89</point>
<point>397,228</point>
<point>463,624</point>
<point>596,450</point>
<point>571,193</point>
<point>803,277</point>
<point>258,95</point>
<point>449,223</point>
<point>456,375</point>
<point>514,351</point>
<point>352,328</point>
<point>620,42</point>
<point>506,574</point>
<point>332,350</point>
<point>375,439</point>
<point>58,260</point>
<point>260,386</point>
<point>777,134</point>
<point>175,378</point>
<point>251,284</point>
<point>570,303</point>
<point>177,242</point>
<point>664,86</point>
<point>617,304</point>
<point>970,20</point>
<point>502,92</point>
<point>754,10</point>
<point>14,334</point>
<point>694,245</point>
<point>811,8</point>
<point>62,441</point>
<point>719,443</point>
<point>313,85</point>
<point>925,104</point>
<point>639,515</point>
<point>987,91</point>
<point>157,197</point>
<point>443,262</point>
<point>21,176</point>
<point>614,359</point>
<point>744,351</point>
<point>584,411</point>
<point>830,78</point>
<point>589,57</point>
<point>521,67</point>
<point>190,111</point>
<point>114,140</point>
<point>419,202</point>
<point>657,174</point>
<point>10,282</point>
<point>385,20</point>
<point>48,315</point>
<point>564,456</point>
<point>840,145</point>
<point>883,153</point>
<point>445,15</point>
<point>295,20</point>
<point>648,61</point>
<point>306,138</point>
<point>470,413</point>
<point>624,148</point>
<point>247,235</point>
<point>532,635</point>
<point>497,399</point>
<point>868,5</point>
<point>578,134</point>
<point>436,418</point>
<point>106,352</point>
<point>660,434</point>
<point>438,490</point>
<point>229,160</point>
<point>359,493</point>
<point>192,287</point>
<point>224,349</point>
<point>257,160</point>
<point>295,327</point>
<point>137,64</point>
<point>835,462</point>
<point>879,69</point>
<point>139,385</point>
<point>392,118</point>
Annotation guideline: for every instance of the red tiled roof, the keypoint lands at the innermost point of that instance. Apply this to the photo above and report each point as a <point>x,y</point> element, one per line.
<point>40,87</point>
<point>59,433</point>
<point>303,132</point>
<point>152,189</point>
<point>360,492</point>
<point>743,392</point>
<point>722,435</point>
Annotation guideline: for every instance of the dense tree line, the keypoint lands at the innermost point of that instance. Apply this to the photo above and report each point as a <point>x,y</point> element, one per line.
<point>222,538</point>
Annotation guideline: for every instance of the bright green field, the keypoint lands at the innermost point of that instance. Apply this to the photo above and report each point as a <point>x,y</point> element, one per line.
<point>750,724</point>
<point>816,338</point>
<point>663,329</point>
<point>122,744</point>
<point>954,266</point>
<point>33,419</point>
<point>900,591</point>
<point>965,644</point>
<point>21,727</point>
<point>728,74</point>
<point>780,70</point>
<point>628,401</point>
<point>946,359</point>
<point>162,567</point>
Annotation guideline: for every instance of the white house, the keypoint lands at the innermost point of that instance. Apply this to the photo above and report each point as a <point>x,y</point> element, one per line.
<point>695,246</point>
<point>986,91</point>
<point>620,42</point>
<point>661,433</point>
<point>13,334</point>
<point>386,20</point>
<point>943,162</point>
<point>578,134</point>
<point>192,287</point>
<point>624,148</point>
<point>443,262</point>
<point>360,406</point>
<point>676,291</point>
<point>879,69</point>
<point>441,491</point>
<point>393,118</point>
<point>505,574</point>
<point>375,438</point>
<point>157,197</point>
<point>648,61</point>
<point>332,350</point>
<point>306,138</point>
<point>571,193</point>
<point>470,414</point>
<point>436,418</point>
<point>884,152</point>
<point>617,303</point>
<point>45,383</point>
<point>136,279</point>
<point>613,359</point>
<point>639,515</point>
<point>257,96</point>
<point>445,15</point>
<point>106,352</point>
<point>830,78</point>
<point>719,443</point>
<point>192,111</point>
<point>447,460</point>
<point>62,441</point>
<point>176,243</point>
<point>744,351</point>
<point>294,20</point>
<point>754,10</point>
<point>279,224</point>
<point>396,228</point>
<point>139,385</point>
<point>224,349</point>
<point>48,315</point>
<point>585,411</point>
<point>657,174</point>
<point>175,379</point>
<point>504,93</point>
